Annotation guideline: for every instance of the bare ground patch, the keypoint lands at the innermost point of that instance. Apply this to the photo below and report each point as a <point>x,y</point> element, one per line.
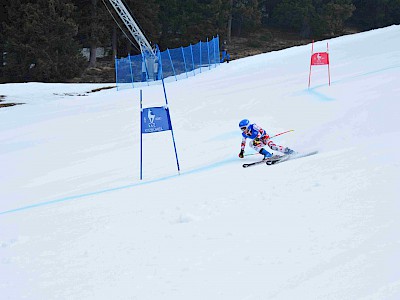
<point>2,97</point>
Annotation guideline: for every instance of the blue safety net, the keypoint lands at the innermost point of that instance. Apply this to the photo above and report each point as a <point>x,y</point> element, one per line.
<point>123,70</point>
<point>175,64</point>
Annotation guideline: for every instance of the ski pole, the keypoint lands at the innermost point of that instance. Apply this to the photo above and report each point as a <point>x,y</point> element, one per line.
<point>278,134</point>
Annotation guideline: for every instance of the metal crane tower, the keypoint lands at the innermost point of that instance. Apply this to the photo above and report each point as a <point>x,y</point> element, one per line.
<point>150,59</point>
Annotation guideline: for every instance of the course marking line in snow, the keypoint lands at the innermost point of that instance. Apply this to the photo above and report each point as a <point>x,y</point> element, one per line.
<point>95,193</point>
<point>323,97</point>
<point>320,96</point>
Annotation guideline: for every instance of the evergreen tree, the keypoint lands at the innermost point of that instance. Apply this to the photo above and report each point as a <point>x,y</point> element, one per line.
<point>313,17</point>
<point>371,14</point>
<point>3,17</point>
<point>246,15</point>
<point>295,15</point>
<point>184,22</point>
<point>39,41</point>
<point>335,14</point>
<point>267,7</point>
<point>178,22</point>
<point>95,26</point>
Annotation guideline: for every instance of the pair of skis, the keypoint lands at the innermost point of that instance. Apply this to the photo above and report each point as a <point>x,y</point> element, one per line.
<point>278,159</point>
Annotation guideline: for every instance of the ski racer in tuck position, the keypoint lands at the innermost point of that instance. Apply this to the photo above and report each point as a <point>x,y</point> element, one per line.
<point>259,139</point>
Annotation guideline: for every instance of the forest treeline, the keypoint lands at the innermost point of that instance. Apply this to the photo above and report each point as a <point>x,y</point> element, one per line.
<point>42,40</point>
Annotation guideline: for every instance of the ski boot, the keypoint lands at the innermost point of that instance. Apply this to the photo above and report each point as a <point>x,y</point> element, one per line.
<point>289,151</point>
<point>265,153</point>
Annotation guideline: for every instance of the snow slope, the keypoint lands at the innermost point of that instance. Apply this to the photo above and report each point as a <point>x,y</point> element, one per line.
<point>77,223</point>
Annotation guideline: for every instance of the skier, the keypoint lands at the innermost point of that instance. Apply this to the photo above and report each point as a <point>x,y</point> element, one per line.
<point>259,139</point>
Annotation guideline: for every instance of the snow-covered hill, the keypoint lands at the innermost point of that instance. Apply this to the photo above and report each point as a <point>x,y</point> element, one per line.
<point>77,223</point>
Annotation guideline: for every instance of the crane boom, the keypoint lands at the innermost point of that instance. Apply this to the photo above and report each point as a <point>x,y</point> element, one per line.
<point>133,28</point>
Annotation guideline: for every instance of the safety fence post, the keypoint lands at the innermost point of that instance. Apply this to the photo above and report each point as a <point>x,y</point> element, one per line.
<point>172,65</point>
<point>184,61</point>
<point>191,51</point>
<point>200,55</point>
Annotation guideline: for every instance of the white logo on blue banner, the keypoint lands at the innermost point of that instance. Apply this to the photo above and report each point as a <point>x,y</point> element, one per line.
<point>155,119</point>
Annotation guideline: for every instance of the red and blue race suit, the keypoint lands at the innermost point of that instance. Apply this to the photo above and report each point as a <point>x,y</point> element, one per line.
<point>259,138</point>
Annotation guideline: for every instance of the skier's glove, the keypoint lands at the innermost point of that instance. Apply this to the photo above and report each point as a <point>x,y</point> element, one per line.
<point>241,154</point>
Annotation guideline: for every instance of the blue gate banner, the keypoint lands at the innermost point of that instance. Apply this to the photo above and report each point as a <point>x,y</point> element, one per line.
<point>155,119</point>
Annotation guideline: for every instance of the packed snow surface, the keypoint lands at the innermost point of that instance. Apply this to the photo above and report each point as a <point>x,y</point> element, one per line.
<point>76,221</point>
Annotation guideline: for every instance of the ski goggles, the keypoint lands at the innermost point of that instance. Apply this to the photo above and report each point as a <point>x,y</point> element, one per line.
<point>243,128</point>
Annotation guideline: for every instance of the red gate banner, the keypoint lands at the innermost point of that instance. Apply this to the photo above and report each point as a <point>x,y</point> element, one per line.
<point>319,59</point>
